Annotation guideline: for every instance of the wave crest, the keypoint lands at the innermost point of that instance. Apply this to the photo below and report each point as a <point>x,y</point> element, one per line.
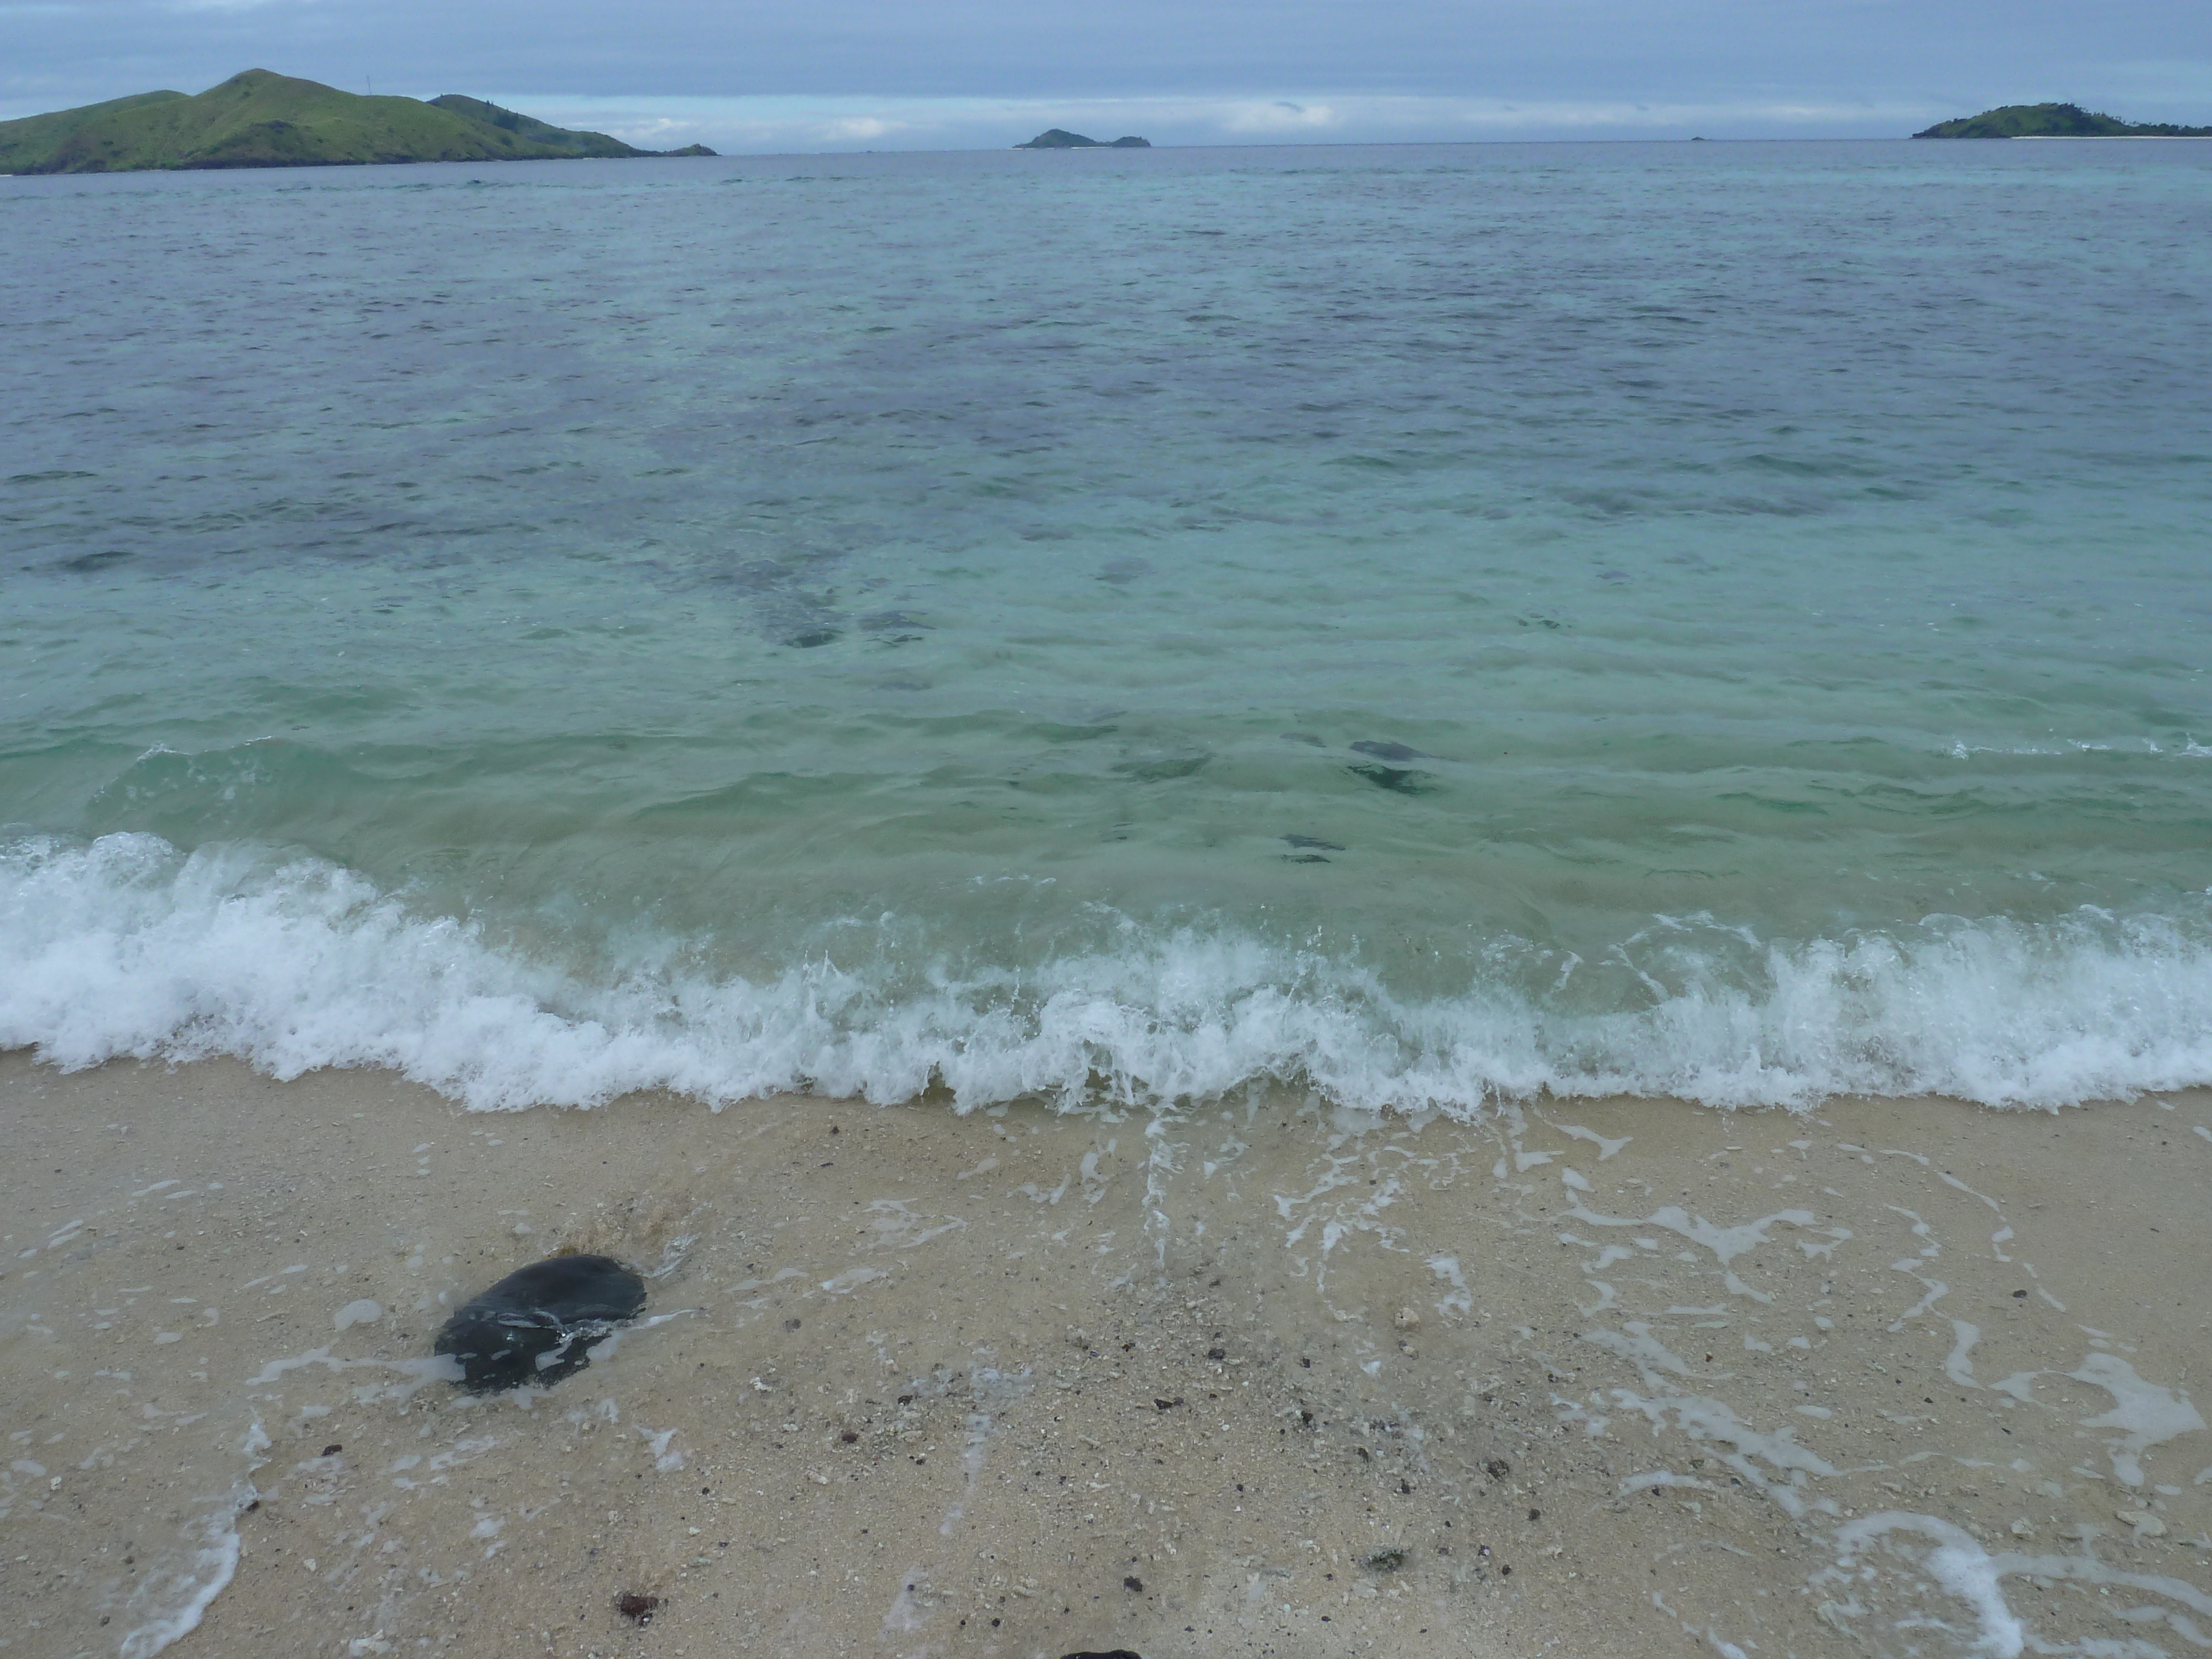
<point>126,947</point>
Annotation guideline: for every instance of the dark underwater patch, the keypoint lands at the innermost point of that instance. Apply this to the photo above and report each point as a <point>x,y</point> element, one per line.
<point>1399,781</point>
<point>1389,751</point>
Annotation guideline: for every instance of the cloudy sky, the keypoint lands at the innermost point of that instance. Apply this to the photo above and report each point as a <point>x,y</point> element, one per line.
<point>831,74</point>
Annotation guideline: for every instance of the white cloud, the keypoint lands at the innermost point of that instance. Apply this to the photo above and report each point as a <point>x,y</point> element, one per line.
<point>1280,117</point>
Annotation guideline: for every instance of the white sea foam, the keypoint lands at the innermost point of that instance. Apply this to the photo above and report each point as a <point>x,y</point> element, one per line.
<point>172,1597</point>
<point>126,947</point>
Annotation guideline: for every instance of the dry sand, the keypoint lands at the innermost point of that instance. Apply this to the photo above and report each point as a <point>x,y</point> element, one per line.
<point>1593,1378</point>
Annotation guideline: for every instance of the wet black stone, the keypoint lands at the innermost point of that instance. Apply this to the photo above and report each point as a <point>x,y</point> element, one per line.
<point>536,1324</point>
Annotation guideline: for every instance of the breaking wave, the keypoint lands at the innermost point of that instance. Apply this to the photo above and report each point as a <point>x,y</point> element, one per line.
<point>126,946</point>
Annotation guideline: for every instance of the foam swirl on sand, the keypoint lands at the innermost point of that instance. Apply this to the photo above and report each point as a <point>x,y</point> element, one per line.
<point>126,946</point>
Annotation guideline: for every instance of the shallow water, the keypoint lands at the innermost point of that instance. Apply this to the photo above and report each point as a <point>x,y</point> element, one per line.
<point>1429,623</point>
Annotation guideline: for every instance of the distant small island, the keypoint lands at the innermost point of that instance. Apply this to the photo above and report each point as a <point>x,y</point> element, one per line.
<point>261,120</point>
<point>1058,138</point>
<point>2055,121</point>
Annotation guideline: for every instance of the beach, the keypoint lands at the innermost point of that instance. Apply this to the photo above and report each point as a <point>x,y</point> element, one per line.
<point>1601,1376</point>
<point>1444,899</point>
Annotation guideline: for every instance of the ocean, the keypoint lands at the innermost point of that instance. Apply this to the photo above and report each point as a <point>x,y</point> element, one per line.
<point>1425,626</point>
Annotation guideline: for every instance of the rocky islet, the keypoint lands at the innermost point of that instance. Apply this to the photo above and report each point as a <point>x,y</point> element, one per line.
<point>1060,138</point>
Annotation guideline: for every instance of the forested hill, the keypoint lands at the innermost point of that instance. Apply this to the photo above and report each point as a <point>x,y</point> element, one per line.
<point>2055,121</point>
<point>261,120</point>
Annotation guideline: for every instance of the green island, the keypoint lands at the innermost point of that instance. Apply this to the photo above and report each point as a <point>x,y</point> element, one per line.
<point>1060,139</point>
<point>261,120</point>
<point>2055,121</point>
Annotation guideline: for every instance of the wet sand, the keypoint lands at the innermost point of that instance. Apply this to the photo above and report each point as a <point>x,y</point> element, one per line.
<point>1592,1378</point>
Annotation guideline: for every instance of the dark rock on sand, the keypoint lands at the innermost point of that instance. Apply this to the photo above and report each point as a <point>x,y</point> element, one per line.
<point>536,1324</point>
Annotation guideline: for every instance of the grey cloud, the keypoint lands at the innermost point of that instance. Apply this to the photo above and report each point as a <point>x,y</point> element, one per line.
<point>2153,56</point>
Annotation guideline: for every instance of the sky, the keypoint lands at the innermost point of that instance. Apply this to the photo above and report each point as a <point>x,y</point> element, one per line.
<point>811,76</point>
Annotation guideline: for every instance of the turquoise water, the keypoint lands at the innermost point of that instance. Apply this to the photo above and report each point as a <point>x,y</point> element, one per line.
<point>1421,623</point>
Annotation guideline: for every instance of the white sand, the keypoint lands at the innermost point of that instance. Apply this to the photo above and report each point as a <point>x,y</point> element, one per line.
<point>1702,1382</point>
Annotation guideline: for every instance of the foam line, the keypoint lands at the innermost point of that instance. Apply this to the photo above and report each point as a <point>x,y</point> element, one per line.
<point>126,947</point>
<point>193,1588</point>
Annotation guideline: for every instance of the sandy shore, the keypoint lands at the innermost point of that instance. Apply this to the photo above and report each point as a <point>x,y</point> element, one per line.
<point>1608,1378</point>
